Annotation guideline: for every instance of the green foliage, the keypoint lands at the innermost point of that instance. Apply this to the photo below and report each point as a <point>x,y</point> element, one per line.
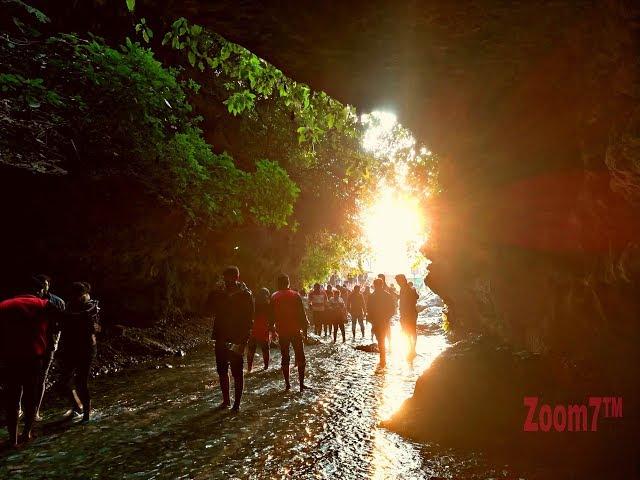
<point>34,12</point>
<point>325,253</point>
<point>250,79</point>
<point>30,90</point>
<point>131,5</point>
<point>288,202</point>
<point>128,115</point>
<point>143,30</point>
<point>240,101</point>
<point>271,194</point>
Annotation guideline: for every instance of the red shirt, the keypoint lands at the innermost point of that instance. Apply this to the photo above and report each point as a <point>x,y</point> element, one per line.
<point>288,312</point>
<point>23,326</point>
<point>261,323</point>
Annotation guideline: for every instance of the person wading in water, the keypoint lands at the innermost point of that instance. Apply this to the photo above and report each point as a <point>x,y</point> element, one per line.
<point>232,321</point>
<point>290,323</point>
<point>356,307</point>
<point>408,312</point>
<point>24,321</point>
<point>77,350</point>
<point>338,311</point>
<point>327,322</point>
<point>53,332</point>
<point>380,308</point>
<point>260,333</point>
<point>318,300</point>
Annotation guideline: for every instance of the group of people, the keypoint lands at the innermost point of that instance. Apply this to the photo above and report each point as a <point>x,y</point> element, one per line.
<point>241,323</point>
<point>36,329</point>
<point>333,306</point>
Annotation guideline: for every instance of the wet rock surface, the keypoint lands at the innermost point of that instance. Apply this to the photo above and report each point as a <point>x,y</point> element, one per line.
<point>472,398</point>
<point>162,423</point>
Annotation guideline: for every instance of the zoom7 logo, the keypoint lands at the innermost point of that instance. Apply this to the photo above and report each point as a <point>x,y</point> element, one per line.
<point>571,418</point>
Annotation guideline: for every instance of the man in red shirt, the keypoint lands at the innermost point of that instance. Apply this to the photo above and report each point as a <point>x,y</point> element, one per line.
<point>24,327</point>
<point>290,321</point>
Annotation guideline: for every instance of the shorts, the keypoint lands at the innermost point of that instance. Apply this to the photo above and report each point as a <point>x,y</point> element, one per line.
<point>298,348</point>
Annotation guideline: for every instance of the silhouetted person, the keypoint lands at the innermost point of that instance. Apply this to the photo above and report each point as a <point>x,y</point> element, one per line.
<point>290,323</point>
<point>408,312</point>
<point>318,301</point>
<point>78,348</point>
<point>380,309</point>
<point>356,308</point>
<point>328,321</point>
<point>24,335</point>
<point>53,336</point>
<point>261,330</point>
<point>232,321</point>
<point>338,312</point>
<point>394,296</point>
<point>366,294</point>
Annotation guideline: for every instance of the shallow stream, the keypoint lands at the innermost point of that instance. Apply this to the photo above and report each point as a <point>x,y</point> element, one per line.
<point>161,423</point>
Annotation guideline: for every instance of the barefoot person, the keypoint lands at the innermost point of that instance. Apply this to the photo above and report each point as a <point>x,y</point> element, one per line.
<point>338,311</point>
<point>232,320</point>
<point>327,322</point>
<point>408,312</point>
<point>318,301</point>
<point>356,307</point>
<point>23,344</point>
<point>261,331</point>
<point>380,308</point>
<point>53,336</point>
<point>290,323</point>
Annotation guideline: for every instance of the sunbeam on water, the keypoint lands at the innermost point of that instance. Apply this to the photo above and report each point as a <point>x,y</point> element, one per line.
<point>161,423</point>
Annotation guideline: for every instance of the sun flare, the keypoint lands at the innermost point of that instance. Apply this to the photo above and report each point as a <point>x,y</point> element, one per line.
<point>394,229</point>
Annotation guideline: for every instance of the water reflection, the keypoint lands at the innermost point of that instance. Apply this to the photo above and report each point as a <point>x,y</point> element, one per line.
<point>400,374</point>
<point>391,452</point>
<point>161,423</point>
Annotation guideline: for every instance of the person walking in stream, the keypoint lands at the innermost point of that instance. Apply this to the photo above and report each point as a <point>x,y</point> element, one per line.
<point>291,323</point>
<point>356,308</point>
<point>408,312</point>
<point>338,312</point>
<point>318,301</point>
<point>233,310</point>
<point>53,336</point>
<point>77,349</point>
<point>261,330</point>
<point>380,308</point>
<point>24,324</point>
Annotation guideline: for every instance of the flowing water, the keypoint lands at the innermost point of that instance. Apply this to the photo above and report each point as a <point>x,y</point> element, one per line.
<point>161,423</point>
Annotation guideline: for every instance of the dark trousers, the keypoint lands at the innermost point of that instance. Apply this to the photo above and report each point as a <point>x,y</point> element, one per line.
<point>318,318</point>
<point>21,382</point>
<point>76,371</point>
<point>382,332</point>
<point>228,360</point>
<point>355,319</point>
<point>339,326</point>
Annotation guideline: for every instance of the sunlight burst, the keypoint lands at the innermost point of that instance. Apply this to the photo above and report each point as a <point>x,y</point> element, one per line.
<point>394,228</point>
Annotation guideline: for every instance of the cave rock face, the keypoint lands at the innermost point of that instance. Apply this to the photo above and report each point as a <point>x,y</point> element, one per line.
<point>533,108</point>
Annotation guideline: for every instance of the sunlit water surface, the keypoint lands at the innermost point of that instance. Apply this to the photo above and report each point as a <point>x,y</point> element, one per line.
<point>160,423</point>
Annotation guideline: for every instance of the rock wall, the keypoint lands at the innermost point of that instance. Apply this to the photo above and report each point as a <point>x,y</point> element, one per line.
<point>536,239</point>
